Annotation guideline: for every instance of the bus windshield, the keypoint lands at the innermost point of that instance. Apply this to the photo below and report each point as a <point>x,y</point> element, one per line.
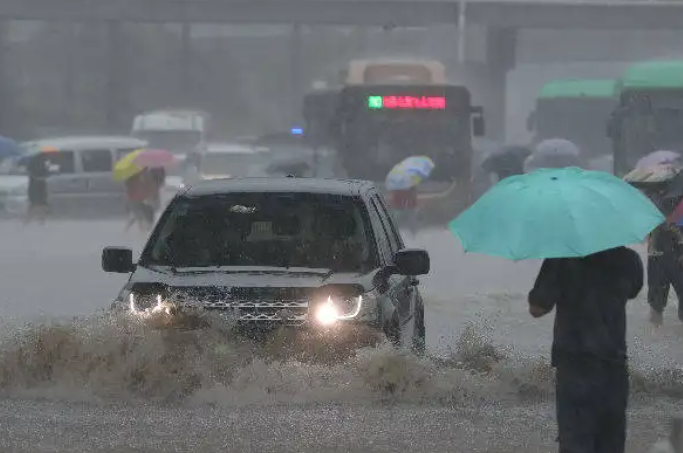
<point>582,121</point>
<point>378,146</point>
<point>645,132</point>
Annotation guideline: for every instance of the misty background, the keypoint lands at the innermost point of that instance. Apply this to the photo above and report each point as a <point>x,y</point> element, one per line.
<point>247,76</point>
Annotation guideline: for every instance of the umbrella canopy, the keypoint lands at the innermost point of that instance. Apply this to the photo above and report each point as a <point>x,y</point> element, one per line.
<point>419,165</point>
<point>657,158</point>
<point>556,147</point>
<point>553,153</point>
<point>508,160</point>
<point>409,173</point>
<point>9,148</point>
<point>655,178</point>
<point>24,158</point>
<point>155,158</point>
<point>133,163</point>
<point>554,213</point>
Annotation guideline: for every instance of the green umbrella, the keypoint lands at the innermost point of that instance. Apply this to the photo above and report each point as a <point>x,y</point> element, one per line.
<point>556,213</point>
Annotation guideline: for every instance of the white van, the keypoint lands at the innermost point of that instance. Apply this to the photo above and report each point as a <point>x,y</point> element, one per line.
<point>80,181</point>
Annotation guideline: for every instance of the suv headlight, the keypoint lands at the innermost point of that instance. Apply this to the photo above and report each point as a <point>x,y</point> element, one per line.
<point>142,303</point>
<point>344,308</point>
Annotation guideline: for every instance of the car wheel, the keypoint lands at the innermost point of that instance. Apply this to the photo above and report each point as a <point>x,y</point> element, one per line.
<point>419,345</point>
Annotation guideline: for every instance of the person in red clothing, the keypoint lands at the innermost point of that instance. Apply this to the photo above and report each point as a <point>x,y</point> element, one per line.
<point>139,190</point>
<point>403,203</point>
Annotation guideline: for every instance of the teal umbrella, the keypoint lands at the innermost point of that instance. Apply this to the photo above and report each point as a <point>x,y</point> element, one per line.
<point>556,213</point>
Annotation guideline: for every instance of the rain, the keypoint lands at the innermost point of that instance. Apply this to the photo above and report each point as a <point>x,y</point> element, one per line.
<point>105,100</point>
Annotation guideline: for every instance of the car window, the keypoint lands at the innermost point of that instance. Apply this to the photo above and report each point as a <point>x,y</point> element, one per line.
<point>265,229</point>
<point>382,238</point>
<point>61,162</point>
<point>96,160</point>
<point>394,236</point>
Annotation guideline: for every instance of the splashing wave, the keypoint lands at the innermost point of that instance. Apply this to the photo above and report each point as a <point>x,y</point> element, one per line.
<point>114,358</point>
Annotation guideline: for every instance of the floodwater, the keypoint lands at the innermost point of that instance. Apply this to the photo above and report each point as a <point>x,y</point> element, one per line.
<point>73,379</point>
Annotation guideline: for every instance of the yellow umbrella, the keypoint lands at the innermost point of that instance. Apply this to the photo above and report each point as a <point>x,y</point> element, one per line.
<point>125,168</point>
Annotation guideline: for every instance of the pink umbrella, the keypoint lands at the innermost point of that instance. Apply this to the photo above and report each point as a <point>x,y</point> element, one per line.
<point>155,158</point>
<point>656,158</point>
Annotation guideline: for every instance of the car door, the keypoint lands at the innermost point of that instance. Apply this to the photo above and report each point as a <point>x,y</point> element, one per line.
<point>408,283</point>
<point>397,289</point>
<point>64,183</point>
<point>103,195</point>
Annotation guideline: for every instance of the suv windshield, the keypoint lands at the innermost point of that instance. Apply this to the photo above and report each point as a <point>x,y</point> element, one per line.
<point>265,229</point>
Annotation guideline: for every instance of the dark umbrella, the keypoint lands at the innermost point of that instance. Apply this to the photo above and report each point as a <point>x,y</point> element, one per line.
<point>507,161</point>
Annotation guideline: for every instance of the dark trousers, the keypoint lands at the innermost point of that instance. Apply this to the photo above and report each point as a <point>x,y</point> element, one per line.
<point>592,396</point>
<point>662,272</point>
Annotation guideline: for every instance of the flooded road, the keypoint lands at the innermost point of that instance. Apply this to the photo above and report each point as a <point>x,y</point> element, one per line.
<point>94,385</point>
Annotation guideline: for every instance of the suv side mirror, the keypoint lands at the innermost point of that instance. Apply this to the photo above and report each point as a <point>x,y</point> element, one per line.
<point>478,124</point>
<point>118,260</point>
<point>412,262</point>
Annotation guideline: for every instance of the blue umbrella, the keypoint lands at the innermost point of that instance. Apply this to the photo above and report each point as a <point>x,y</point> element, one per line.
<point>9,148</point>
<point>409,173</point>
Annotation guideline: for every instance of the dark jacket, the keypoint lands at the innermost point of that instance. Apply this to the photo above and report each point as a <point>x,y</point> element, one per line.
<point>590,294</point>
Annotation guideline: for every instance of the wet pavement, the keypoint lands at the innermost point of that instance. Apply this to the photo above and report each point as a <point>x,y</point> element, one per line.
<point>54,271</point>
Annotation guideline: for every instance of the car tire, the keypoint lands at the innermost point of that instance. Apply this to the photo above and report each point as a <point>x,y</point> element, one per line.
<point>419,345</point>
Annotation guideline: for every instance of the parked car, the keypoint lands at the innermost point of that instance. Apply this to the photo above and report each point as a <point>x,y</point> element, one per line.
<point>226,160</point>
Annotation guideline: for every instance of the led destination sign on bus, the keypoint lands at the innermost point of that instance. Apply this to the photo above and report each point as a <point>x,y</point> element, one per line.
<point>406,103</point>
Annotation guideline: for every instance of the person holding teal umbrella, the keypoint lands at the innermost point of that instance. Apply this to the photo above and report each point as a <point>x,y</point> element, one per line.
<point>579,222</point>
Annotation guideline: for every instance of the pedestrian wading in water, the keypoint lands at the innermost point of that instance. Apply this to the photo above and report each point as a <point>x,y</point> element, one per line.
<point>665,262</point>
<point>37,189</point>
<point>589,354</point>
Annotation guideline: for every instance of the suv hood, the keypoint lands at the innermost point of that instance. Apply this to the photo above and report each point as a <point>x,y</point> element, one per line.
<point>249,278</point>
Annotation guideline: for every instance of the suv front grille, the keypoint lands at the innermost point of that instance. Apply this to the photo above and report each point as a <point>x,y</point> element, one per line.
<point>283,305</point>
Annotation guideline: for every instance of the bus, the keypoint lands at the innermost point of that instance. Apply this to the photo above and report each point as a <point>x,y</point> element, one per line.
<point>649,113</point>
<point>576,110</point>
<point>180,131</point>
<point>387,110</point>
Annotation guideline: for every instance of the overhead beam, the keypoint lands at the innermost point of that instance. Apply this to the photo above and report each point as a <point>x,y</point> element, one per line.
<point>325,12</point>
<point>566,14</point>
<point>587,15</point>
